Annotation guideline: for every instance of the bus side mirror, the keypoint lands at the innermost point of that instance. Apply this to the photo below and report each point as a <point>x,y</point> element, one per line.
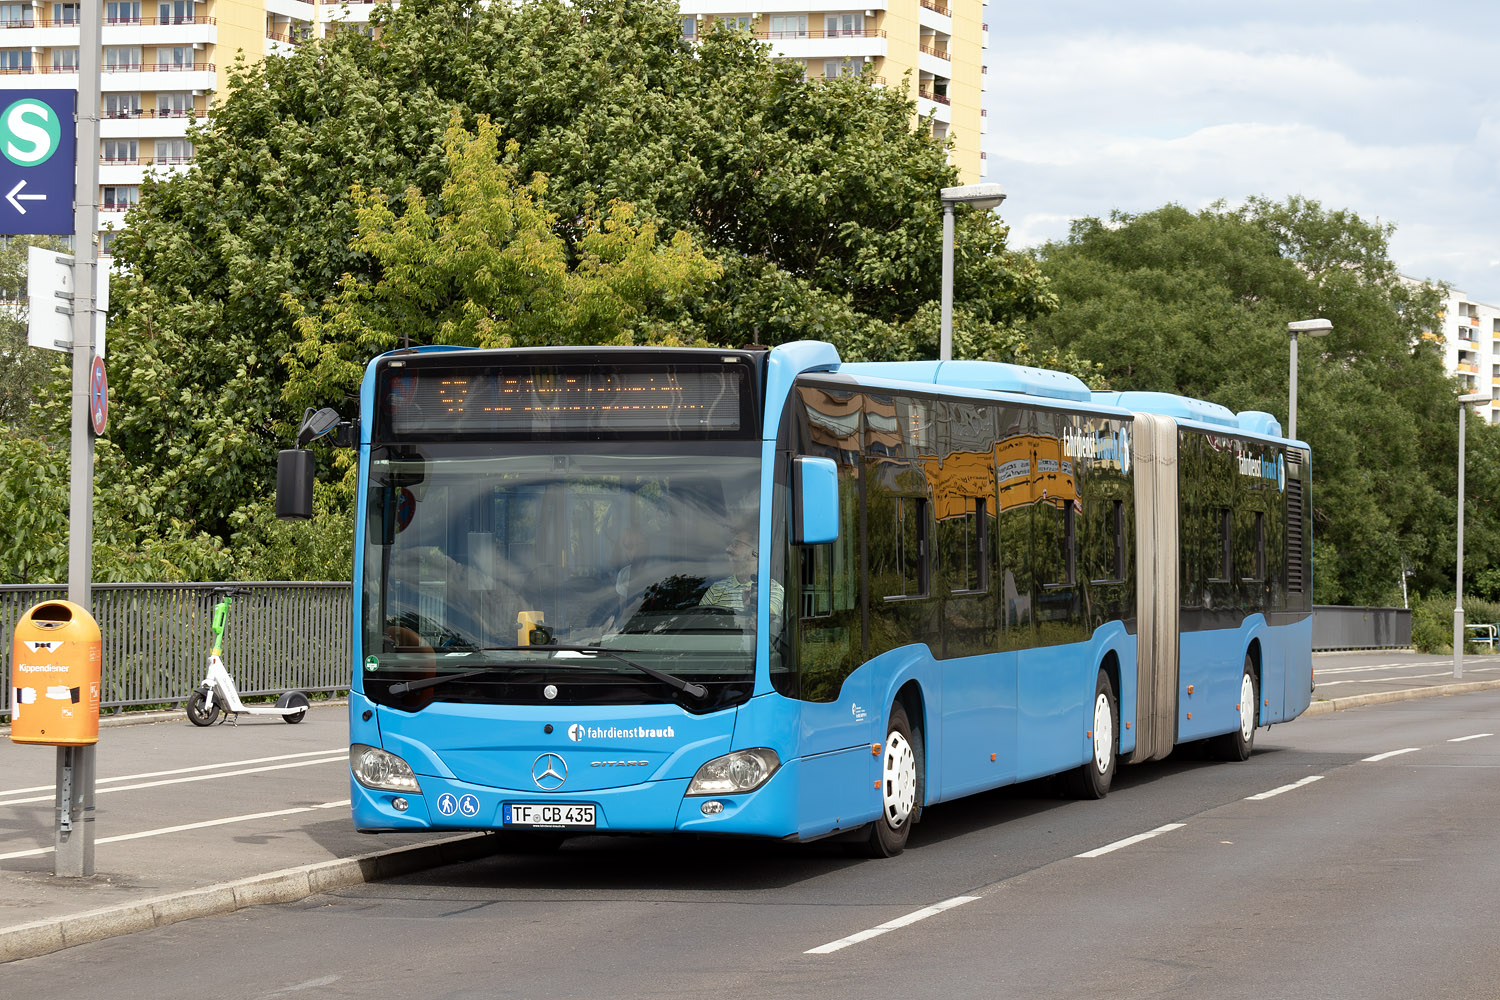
<point>294,484</point>
<point>816,485</point>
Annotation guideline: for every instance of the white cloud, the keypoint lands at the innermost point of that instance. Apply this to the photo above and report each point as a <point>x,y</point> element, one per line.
<point>1374,108</point>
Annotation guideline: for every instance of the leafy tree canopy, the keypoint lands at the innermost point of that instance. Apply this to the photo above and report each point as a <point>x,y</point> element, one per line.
<point>1197,303</point>
<point>654,190</point>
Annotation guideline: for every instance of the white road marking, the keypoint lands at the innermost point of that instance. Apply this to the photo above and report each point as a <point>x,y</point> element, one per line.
<point>186,826</point>
<point>311,984</point>
<point>890,925</point>
<point>181,770</point>
<point>344,757</point>
<point>1476,736</point>
<point>1128,841</point>
<point>1388,754</point>
<point>1404,676</point>
<point>1284,788</point>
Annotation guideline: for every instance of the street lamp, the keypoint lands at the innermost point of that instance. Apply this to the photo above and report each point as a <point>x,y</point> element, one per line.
<point>1313,328</point>
<point>1458,580</point>
<point>982,197</point>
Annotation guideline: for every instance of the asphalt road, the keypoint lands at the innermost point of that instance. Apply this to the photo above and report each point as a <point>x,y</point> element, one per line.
<point>1352,856</point>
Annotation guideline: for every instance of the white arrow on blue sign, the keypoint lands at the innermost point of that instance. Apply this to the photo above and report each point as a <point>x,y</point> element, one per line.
<point>38,136</point>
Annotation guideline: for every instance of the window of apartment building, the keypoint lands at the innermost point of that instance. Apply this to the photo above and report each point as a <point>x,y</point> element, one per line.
<point>176,12</point>
<point>740,22</point>
<point>690,27</point>
<point>15,15</point>
<point>122,58</point>
<point>65,60</point>
<point>121,150</point>
<point>173,104</point>
<point>107,243</point>
<point>15,60</point>
<point>122,105</point>
<point>169,57</point>
<point>844,25</point>
<point>119,197</point>
<point>841,67</point>
<point>174,151</point>
<point>65,13</point>
<point>122,13</point>
<point>788,26</point>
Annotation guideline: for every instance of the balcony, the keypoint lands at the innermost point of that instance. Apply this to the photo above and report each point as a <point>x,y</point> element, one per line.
<point>932,95</point>
<point>781,36</point>
<point>939,8</point>
<point>933,50</point>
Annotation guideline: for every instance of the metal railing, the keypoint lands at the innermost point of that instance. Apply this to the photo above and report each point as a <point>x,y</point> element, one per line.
<point>1344,627</point>
<point>155,638</point>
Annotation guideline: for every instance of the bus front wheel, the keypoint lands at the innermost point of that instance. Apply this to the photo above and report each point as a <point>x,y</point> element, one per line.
<point>900,788</point>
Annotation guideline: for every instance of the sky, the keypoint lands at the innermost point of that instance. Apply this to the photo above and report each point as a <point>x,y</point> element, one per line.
<point>1388,109</point>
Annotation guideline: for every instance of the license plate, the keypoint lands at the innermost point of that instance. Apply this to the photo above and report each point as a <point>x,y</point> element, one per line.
<point>547,814</point>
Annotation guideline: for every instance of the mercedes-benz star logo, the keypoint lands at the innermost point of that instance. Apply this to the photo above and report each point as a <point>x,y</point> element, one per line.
<point>549,772</point>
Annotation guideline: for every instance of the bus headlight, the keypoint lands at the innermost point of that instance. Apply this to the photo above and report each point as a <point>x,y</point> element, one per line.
<point>374,768</point>
<point>741,771</point>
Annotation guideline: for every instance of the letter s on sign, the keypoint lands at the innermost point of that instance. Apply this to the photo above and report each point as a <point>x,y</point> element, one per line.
<point>31,132</point>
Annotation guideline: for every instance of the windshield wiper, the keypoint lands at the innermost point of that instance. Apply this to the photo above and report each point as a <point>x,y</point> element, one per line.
<point>686,687</point>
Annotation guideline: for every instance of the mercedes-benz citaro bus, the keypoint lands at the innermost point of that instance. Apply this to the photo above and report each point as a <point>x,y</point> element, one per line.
<point>768,593</point>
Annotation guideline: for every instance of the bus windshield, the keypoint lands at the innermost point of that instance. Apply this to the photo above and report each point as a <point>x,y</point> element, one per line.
<point>493,578</point>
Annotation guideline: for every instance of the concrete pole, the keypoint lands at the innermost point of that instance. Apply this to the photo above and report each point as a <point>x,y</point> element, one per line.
<point>75,765</point>
<point>1458,579</point>
<point>1291,409</point>
<point>945,337</point>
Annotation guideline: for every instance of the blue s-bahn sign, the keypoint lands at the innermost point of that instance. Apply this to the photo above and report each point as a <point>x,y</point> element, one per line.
<point>37,162</point>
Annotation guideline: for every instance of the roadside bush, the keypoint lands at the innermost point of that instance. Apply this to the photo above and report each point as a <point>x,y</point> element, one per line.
<point>1432,623</point>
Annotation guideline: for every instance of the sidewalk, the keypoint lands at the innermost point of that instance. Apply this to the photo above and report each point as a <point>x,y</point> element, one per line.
<point>221,818</point>
<point>193,822</point>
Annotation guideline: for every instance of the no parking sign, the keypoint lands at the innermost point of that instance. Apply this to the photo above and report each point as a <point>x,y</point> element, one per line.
<point>98,396</point>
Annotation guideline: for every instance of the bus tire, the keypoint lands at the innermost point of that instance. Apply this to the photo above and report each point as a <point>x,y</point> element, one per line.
<point>1238,744</point>
<point>901,788</point>
<point>1092,779</point>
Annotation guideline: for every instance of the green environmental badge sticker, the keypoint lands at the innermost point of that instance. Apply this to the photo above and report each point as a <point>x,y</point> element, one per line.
<point>29,132</point>
<point>372,664</point>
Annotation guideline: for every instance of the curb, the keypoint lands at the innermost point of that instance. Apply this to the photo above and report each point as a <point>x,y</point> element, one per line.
<point>167,715</point>
<point>1406,694</point>
<point>42,937</point>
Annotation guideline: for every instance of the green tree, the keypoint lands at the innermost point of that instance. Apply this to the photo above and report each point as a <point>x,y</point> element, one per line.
<point>487,269</point>
<point>815,201</point>
<point>1197,303</point>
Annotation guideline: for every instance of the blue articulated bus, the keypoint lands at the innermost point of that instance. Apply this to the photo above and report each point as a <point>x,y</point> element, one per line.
<point>768,593</point>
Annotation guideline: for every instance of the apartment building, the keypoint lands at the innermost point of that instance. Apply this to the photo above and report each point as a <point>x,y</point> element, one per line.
<point>936,48</point>
<point>162,62</point>
<point>1469,332</point>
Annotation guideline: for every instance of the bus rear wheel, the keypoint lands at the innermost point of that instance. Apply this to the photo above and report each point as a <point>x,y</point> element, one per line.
<point>1238,744</point>
<point>900,788</point>
<point>1092,779</point>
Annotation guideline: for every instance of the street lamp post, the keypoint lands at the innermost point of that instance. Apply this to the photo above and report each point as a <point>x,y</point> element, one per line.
<point>1313,328</point>
<point>982,197</point>
<point>1458,579</point>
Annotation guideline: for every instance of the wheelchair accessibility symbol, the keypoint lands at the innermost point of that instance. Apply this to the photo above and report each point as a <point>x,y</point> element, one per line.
<point>447,804</point>
<point>469,806</point>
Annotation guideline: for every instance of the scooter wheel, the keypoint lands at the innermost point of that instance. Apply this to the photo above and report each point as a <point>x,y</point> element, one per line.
<point>293,699</point>
<point>199,712</point>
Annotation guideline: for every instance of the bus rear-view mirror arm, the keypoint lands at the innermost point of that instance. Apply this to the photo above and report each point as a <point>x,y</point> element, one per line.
<point>295,469</point>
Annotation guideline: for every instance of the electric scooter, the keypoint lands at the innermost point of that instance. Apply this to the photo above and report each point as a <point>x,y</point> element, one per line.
<point>217,692</point>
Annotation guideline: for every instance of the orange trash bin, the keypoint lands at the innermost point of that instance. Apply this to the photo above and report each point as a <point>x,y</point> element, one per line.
<point>55,676</point>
